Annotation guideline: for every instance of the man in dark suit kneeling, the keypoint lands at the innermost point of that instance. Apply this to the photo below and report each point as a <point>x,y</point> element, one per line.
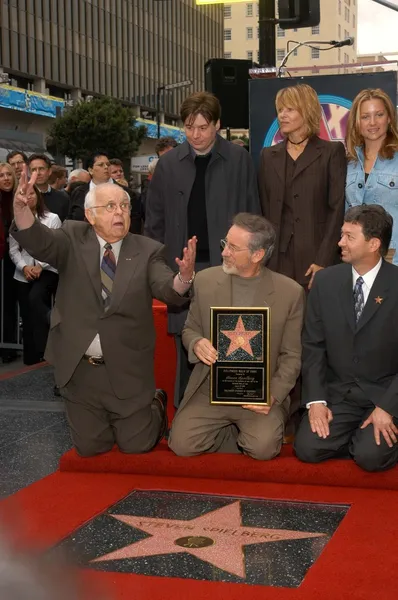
<point>102,335</point>
<point>350,350</point>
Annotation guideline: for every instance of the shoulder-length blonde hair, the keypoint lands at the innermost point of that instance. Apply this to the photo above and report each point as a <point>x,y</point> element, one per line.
<point>12,172</point>
<point>353,135</point>
<point>304,99</point>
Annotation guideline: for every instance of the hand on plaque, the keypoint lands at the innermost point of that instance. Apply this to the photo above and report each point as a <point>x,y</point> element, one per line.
<point>260,410</point>
<point>205,352</point>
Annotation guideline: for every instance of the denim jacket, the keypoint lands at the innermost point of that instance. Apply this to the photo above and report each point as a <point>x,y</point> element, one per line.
<point>380,188</point>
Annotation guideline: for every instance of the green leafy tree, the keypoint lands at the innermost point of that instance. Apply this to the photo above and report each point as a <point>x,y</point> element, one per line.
<point>100,124</point>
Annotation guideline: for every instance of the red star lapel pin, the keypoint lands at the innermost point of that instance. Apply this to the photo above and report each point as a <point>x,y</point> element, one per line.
<point>378,300</point>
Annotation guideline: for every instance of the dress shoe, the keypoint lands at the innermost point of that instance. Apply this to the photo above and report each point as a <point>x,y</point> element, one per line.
<point>57,391</point>
<point>160,398</point>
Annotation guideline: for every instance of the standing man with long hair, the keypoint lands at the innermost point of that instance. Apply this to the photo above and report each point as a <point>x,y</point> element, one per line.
<point>196,190</point>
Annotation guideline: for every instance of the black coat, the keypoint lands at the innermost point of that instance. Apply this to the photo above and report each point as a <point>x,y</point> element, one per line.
<point>76,207</point>
<point>318,190</point>
<point>339,354</point>
<point>231,188</point>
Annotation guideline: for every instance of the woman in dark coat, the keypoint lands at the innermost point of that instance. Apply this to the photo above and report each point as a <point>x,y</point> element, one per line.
<point>301,184</point>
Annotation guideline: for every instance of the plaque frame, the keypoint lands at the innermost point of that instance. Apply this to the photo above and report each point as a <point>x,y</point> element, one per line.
<point>262,366</point>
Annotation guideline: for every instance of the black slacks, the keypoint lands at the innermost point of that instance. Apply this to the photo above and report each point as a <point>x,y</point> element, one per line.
<point>346,439</point>
<point>35,299</point>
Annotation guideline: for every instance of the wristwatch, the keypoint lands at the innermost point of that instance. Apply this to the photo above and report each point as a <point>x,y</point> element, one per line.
<point>189,282</point>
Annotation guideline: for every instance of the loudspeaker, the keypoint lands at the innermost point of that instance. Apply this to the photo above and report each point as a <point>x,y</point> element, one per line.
<point>228,79</point>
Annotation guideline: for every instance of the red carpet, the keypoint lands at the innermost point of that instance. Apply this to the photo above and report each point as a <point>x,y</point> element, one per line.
<point>233,467</point>
<point>359,563</point>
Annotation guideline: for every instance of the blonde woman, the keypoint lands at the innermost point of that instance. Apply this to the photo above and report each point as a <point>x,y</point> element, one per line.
<point>301,184</point>
<point>372,149</point>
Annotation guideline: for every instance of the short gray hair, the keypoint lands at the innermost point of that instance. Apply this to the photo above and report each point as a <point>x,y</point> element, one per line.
<point>91,196</point>
<point>75,174</point>
<point>263,234</point>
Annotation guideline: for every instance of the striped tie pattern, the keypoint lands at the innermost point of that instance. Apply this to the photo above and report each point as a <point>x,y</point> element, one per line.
<point>359,300</point>
<point>108,270</point>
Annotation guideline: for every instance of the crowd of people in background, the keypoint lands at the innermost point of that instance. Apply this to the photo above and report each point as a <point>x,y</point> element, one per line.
<point>302,190</point>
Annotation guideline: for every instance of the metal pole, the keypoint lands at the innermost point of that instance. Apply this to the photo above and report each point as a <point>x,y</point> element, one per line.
<point>158,92</point>
<point>267,33</point>
<point>387,4</point>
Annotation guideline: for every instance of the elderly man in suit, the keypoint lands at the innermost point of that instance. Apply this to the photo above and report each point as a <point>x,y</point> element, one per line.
<point>350,350</point>
<point>102,333</point>
<point>197,189</point>
<point>242,280</point>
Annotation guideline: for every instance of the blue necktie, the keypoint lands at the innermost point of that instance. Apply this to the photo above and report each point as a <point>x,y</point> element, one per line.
<point>359,301</point>
<point>108,270</point>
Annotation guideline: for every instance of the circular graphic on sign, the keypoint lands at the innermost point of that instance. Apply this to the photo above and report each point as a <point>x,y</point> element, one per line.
<point>335,111</point>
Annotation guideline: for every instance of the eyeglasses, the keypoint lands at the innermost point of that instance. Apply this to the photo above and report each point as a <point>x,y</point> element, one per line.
<point>225,244</point>
<point>102,164</point>
<point>112,207</point>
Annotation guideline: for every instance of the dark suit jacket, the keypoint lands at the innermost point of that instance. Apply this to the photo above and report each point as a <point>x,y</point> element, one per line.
<point>231,187</point>
<point>76,206</point>
<point>339,354</point>
<point>318,190</point>
<point>126,329</point>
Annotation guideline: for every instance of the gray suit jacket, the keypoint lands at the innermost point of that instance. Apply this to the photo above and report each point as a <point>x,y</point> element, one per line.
<point>285,297</point>
<point>126,330</point>
<point>231,187</point>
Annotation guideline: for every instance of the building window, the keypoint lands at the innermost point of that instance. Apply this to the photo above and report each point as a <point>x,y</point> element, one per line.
<point>227,34</point>
<point>347,14</point>
<point>249,10</point>
<point>314,52</point>
<point>249,54</point>
<point>258,33</point>
<point>227,54</point>
<point>295,29</point>
<point>249,33</point>
<point>280,54</point>
<point>353,21</point>
<point>338,31</point>
<point>346,58</point>
<point>345,33</point>
<point>295,52</point>
<point>339,7</point>
<point>258,56</point>
<point>227,11</point>
<point>258,10</point>
<point>280,32</point>
<point>339,55</point>
<point>315,30</point>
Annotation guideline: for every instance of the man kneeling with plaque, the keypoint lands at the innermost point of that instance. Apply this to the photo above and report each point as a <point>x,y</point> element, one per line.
<point>243,331</point>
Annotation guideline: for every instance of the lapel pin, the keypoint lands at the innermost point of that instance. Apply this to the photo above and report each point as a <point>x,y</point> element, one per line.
<point>378,300</point>
<point>128,258</point>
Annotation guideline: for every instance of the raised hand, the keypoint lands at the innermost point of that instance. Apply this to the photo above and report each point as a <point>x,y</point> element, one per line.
<point>24,188</point>
<point>187,264</point>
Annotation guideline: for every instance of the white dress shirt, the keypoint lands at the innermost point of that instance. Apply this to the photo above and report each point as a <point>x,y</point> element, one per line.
<point>95,348</point>
<point>368,281</point>
<point>21,258</point>
<point>94,185</point>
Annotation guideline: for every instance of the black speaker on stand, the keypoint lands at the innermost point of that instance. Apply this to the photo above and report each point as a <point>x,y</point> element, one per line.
<point>228,79</point>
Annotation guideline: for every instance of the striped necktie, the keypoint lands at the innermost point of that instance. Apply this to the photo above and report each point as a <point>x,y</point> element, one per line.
<point>108,270</point>
<point>359,300</point>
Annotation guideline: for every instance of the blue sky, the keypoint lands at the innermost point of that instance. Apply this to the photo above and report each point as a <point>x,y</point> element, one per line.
<point>377,28</point>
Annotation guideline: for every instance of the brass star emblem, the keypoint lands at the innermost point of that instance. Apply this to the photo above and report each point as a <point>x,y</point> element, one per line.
<point>378,300</point>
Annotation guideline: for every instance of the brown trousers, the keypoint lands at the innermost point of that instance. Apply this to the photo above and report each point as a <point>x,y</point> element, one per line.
<point>98,419</point>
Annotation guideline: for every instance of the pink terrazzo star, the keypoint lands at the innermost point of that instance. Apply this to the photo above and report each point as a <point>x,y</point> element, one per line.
<point>240,338</point>
<point>217,537</point>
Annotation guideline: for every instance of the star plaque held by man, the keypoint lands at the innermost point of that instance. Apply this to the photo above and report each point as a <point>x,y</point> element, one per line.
<point>241,373</point>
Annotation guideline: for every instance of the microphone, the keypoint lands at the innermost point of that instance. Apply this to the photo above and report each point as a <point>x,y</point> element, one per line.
<point>346,42</point>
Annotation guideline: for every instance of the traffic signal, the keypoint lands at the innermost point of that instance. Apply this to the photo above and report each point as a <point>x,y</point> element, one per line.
<point>298,13</point>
